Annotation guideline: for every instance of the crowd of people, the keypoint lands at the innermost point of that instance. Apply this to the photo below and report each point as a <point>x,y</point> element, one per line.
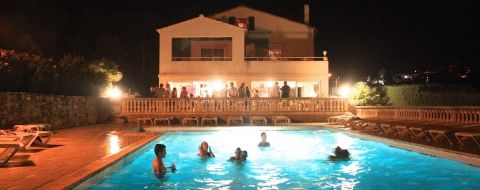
<point>226,92</point>
<point>204,152</point>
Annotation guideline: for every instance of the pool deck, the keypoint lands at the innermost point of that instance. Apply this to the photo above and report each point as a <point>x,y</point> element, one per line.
<point>75,153</point>
<point>80,152</point>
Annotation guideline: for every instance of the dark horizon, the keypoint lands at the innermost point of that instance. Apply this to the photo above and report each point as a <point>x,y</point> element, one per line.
<point>360,37</point>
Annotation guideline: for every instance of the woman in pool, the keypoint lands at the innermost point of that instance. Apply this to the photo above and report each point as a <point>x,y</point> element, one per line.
<point>204,151</point>
<point>239,155</point>
<point>157,165</point>
<point>264,142</point>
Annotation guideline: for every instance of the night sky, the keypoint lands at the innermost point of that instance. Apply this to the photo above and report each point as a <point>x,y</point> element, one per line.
<point>361,37</point>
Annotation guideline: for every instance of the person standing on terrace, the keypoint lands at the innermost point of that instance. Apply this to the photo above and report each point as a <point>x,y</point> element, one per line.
<point>232,92</point>
<point>174,93</point>
<point>285,90</point>
<point>241,91</point>
<point>168,91</point>
<point>160,91</point>
<point>275,91</point>
<point>247,92</point>
<point>224,91</point>
<point>184,93</point>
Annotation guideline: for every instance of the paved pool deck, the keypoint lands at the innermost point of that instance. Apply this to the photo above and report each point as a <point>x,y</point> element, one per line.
<point>74,154</point>
<point>77,153</point>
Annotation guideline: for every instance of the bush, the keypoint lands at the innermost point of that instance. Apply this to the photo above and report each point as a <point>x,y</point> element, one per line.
<point>432,95</point>
<point>365,95</point>
<point>71,75</point>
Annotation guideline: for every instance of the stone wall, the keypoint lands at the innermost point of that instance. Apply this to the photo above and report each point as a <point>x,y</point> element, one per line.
<point>59,111</point>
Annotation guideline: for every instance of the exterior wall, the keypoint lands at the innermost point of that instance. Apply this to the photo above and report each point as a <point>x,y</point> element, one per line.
<point>59,111</point>
<point>199,27</point>
<point>295,39</point>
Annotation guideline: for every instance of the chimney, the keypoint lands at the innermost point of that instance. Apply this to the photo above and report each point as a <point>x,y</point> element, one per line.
<point>306,14</point>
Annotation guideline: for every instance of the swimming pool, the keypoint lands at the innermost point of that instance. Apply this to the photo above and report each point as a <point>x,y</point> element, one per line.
<point>295,160</point>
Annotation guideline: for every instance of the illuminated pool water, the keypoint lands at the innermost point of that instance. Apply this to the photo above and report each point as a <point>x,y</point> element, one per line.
<point>296,160</point>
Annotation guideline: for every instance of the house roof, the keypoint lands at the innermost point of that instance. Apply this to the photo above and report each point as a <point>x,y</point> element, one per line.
<point>201,18</point>
<point>261,12</point>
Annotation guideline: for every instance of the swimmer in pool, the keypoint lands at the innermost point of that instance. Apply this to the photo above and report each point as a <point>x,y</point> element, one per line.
<point>157,166</point>
<point>204,151</point>
<point>264,142</point>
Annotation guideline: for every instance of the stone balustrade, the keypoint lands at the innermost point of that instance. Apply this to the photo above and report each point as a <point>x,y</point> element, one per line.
<point>231,105</point>
<point>457,114</point>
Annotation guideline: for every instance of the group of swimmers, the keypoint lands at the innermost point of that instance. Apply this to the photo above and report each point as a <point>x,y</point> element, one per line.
<point>204,151</point>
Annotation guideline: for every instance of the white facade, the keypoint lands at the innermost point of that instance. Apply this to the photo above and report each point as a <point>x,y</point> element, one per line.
<point>203,54</point>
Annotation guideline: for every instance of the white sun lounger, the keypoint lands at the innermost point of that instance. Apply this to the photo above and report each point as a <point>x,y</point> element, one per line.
<point>24,139</point>
<point>142,121</point>
<point>280,120</point>
<point>7,151</point>
<point>190,121</point>
<point>235,120</point>
<point>42,130</point>
<point>462,137</point>
<point>258,120</point>
<point>162,120</point>
<point>206,120</point>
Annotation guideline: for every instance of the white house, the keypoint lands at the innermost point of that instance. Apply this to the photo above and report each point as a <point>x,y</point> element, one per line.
<point>242,45</point>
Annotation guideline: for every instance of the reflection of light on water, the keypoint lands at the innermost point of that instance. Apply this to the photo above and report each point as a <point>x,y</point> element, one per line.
<point>214,183</point>
<point>343,140</point>
<point>352,169</point>
<point>216,169</point>
<point>114,143</point>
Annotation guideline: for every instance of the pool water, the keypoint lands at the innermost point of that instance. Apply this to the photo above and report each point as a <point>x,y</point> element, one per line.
<point>295,160</point>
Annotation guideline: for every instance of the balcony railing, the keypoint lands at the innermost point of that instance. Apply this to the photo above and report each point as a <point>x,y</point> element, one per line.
<point>457,114</point>
<point>201,58</point>
<point>231,105</point>
<point>250,59</point>
<point>286,59</point>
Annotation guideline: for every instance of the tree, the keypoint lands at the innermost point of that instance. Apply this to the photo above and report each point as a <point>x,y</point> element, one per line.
<point>365,95</point>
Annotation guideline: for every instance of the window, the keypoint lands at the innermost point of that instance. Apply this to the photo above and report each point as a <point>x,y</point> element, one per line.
<point>202,49</point>
<point>206,52</point>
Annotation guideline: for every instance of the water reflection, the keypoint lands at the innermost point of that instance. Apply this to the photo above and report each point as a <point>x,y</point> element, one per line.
<point>114,143</point>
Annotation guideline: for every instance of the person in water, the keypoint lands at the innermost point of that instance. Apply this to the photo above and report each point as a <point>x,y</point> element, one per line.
<point>204,151</point>
<point>340,153</point>
<point>157,165</point>
<point>239,155</point>
<point>264,142</point>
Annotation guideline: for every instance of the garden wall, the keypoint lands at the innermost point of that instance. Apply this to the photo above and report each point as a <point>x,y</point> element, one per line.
<point>59,111</point>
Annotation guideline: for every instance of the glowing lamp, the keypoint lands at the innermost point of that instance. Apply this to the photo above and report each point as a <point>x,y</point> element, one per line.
<point>345,91</point>
<point>113,92</point>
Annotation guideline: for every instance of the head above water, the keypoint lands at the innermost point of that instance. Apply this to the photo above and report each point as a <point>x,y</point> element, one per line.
<point>159,148</point>
<point>204,145</point>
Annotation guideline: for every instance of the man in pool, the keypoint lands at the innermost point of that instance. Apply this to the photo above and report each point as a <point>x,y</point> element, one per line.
<point>204,151</point>
<point>157,165</point>
<point>239,155</point>
<point>264,142</point>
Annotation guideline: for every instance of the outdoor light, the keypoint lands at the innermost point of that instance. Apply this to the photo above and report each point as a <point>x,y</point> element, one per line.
<point>345,91</point>
<point>113,92</point>
<point>217,85</point>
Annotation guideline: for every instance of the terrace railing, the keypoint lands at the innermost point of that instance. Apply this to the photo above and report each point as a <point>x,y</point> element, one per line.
<point>231,105</point>
<point>457,114</point>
